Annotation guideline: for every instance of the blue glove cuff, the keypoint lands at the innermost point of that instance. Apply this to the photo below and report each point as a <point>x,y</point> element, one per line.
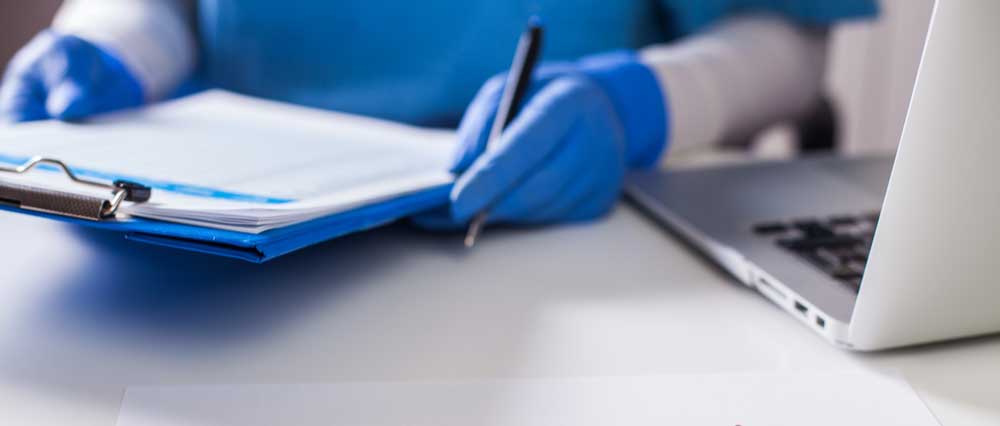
<point>638,100</point>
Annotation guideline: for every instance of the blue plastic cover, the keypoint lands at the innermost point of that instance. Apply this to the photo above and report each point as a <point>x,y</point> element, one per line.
<point>260,248</point>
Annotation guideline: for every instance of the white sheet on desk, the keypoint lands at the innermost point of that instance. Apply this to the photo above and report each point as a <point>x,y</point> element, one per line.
<point>328,162</point>
<point>689,400</point>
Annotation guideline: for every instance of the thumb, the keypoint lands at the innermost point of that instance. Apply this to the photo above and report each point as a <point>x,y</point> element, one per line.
<point>69,100</point>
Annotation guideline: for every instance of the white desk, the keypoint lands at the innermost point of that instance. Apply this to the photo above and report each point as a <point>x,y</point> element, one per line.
<point>83,314</point>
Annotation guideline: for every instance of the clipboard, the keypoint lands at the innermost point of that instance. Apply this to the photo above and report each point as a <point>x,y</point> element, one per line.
<point>102,213</point>
<point>68,204</point>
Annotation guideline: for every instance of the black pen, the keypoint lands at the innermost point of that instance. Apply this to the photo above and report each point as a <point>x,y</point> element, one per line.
<point>518,79</point>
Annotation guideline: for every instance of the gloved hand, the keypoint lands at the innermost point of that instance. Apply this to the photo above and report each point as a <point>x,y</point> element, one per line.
<point>64,77</point>
<point>564,156</point>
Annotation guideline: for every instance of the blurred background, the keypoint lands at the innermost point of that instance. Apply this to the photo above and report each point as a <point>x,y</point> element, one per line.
<point>872,66</point>
<point>19,20</point>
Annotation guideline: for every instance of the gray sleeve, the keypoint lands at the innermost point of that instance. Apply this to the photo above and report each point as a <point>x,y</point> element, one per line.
<point>154,38</point>
<point>743,74</point>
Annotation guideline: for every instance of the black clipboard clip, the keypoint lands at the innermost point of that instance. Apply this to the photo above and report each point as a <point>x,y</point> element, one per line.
<point>66,203</point>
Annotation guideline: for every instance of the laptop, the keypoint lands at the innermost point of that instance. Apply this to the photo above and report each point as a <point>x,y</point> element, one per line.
<point>871,253</point>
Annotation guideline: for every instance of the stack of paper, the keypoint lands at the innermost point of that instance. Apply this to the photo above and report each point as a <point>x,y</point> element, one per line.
<point>226,161</point>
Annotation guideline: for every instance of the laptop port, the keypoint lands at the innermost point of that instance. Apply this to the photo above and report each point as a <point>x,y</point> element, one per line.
<point>801,308</point>
<point>821,322</point>
<point>764,283</point>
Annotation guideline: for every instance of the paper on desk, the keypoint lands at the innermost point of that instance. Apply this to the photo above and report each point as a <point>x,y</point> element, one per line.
<point>683,400</point>
<point>228,161</point>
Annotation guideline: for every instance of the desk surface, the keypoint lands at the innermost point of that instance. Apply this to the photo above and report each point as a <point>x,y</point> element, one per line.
<point>84,314</point>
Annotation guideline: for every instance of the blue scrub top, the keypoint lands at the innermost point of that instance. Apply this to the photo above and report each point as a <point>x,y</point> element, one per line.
<point>423,61</point>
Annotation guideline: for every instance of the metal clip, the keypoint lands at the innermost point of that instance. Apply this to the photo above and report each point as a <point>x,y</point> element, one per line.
<point>65,203</point>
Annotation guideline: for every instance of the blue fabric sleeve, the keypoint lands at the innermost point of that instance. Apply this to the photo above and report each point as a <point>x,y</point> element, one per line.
<point>685,16</point>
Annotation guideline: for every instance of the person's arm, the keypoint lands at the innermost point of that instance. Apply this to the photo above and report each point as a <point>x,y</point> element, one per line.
<point>737,77</point>
<point>565,156</point>
<point>153,38</point>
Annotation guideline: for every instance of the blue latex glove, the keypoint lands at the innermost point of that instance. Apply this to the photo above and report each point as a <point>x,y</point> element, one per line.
<point>64,77</point>
<point>564,156</point>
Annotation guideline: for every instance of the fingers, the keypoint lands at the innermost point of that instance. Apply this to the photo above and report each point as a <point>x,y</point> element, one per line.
<point>66,78</point>
<point>71,71</point>
<point>586,198</point>
<point>23,92</point>
<point>585,182</point>
<point>549,193</point>
<point>530,139</point>
<point>69,100</point>
<point>593,187</point>
<point>22,99</point>
<point>474,130</point>
<point>566,165</point>
<point>562,159</point>
<point>36,87</point>
<point>606,177</point>
<point>110,86</point>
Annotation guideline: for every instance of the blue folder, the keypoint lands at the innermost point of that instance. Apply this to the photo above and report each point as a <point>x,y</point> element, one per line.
<point>259,248</point>
<point>18,156</point>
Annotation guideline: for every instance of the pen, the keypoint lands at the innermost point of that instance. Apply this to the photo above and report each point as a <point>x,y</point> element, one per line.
<point>525,57</point>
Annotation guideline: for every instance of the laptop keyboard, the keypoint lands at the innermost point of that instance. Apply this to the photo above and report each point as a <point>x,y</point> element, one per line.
<point>837,245</point>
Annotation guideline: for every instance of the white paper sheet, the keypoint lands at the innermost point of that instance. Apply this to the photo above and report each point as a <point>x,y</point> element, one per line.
<point>234,162</point>
<point>827,399</point>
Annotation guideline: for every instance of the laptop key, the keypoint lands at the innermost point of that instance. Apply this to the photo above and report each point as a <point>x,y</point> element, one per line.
<point>839,246</point>
<point>843,220</point>
<point>857,266</point>
<point>771,228</point>
<point>853,284</point>
<point>846,275</point>
<point>857,254</point>
<point>810,244</point>
<point>871,217</point>
<point>829,256</point>
<point>846,272</point>
<point>821,262</point>
<point>813,229</point>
